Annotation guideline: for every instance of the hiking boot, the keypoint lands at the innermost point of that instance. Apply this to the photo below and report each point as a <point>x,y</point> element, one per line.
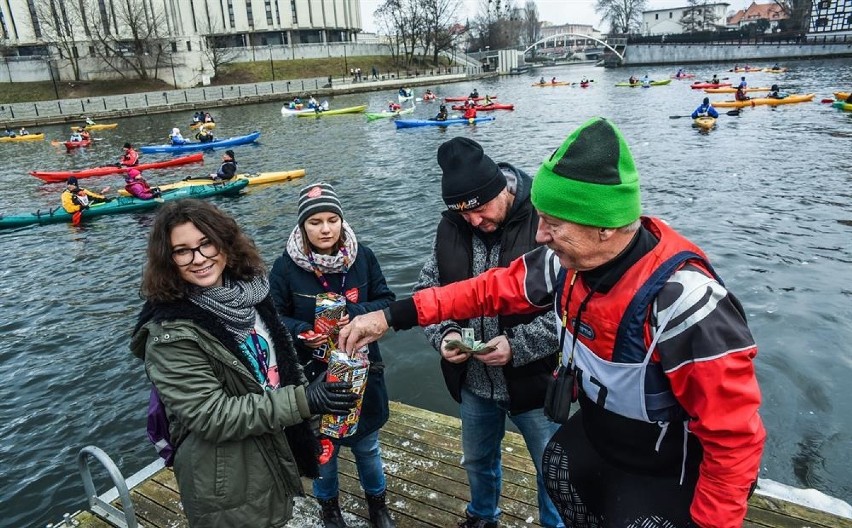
<point>331,515</point>
<point>475,522</point>
<point>379,514</point>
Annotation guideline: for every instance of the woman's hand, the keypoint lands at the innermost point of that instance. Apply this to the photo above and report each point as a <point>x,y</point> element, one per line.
<point>343,321</point>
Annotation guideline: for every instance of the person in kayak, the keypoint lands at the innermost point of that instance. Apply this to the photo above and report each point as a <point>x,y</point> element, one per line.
<point>130,157</point>
<point>23,132</point>
<point>474,94</point>
<point>204,135</point>
<point>9,133</point>
<point>633,80</point>
<point>680,73</point>
<point>714,80</point>
<point>393,107</point>
<point>176,138</point>
<point>743,84</point>
<point>655,348</point>
<point>542,81</point>
<point>469,112</point>
<point>323,259</point>
<point>775,92</point>
<point>76,136</point>
<point>75,198</point>
<point>138,187</point>
<point>238,405</point>
<point>488,101</point>
<point>228,168</point>
<point>705,109</point>
<point>741,94</point>
<point>442,114</point>
<point>552,81</point>
<point>646,81</point>
<point>208,118</point>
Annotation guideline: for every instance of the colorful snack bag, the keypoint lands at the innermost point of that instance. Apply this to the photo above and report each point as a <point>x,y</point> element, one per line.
<point>353,369</point>
<point>330,308</point>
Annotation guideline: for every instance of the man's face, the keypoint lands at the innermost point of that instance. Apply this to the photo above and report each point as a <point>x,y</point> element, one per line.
<point>489,216</point>
<point>577,246</point>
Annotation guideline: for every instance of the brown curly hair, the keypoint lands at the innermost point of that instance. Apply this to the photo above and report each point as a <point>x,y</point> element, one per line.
<point>161,279</point>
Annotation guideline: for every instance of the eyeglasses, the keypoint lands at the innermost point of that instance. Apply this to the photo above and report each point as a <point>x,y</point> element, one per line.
<point>185,256</point>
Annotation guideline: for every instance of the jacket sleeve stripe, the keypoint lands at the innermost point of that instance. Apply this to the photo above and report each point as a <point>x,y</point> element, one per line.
<point>540,269</point>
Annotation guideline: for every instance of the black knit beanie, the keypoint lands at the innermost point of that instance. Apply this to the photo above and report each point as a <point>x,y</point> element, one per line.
<point>318,198</point>
<point>471,178</point>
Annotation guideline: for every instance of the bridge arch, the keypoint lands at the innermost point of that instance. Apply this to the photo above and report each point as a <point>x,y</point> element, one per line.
<point>551,37</point>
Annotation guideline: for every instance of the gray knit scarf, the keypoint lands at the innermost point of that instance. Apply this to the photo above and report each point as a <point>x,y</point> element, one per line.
<point>325,263</point>
<point>233,302</point>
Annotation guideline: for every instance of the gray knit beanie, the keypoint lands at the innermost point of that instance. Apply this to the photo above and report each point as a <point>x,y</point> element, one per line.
<point>318,198</point>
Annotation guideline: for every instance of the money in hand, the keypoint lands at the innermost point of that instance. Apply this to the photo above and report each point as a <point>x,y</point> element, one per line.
<point>467,337</point>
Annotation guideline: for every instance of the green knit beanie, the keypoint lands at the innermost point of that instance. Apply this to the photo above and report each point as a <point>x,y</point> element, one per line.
<point>591,179</point>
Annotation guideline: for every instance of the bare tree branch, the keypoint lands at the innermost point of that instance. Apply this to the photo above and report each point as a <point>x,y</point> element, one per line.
<point>61,23</point>
<point>624,16</point>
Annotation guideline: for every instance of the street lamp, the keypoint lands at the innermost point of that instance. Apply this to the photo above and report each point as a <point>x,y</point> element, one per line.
<point>271,65</point>
<point>174,77</point>
<point>52,78</point>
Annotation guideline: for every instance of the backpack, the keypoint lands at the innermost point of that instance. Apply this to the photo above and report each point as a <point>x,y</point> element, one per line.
<point>158,428</point>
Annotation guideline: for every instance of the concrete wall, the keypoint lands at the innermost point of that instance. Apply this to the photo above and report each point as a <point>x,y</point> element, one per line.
<point>14,69</point>
<point>684,53</point>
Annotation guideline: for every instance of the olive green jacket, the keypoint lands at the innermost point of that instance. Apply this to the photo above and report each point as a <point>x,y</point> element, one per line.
<point>234,464</point>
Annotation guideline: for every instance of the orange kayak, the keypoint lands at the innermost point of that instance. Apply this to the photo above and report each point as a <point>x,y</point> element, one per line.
<point>790,99</point>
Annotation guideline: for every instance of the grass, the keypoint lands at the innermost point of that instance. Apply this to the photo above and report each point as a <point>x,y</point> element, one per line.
<point>237,73</point>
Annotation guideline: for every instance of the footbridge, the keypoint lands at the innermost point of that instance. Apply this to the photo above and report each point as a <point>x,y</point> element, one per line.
<point>616,45</point>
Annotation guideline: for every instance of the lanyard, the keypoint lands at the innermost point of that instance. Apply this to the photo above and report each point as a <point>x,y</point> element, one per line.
<point>580,309</point>
<point>321,278</point>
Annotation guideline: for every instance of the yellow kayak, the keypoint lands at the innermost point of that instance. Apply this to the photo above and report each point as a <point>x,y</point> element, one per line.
<point>790,99</point>
<point>774,70</point>
<point>108,126</point>
<point>28,137</point>
<point>253,179</point>
<point>841,96</point>
<point>208,126</point>
<point>705,123</point>
<point>731,89</point>
<point>349,110</point>
<point>558,83</point>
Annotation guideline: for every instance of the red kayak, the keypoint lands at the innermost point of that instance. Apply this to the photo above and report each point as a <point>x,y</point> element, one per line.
<point>454,99</point>
<point>702,85</point>
<point>61,176</point>
<point>683,76</point>
<point>485,108</point>
<point>71,145</point>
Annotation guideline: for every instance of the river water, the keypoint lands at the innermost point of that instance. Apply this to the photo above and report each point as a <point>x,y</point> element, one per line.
<point>766,194</point>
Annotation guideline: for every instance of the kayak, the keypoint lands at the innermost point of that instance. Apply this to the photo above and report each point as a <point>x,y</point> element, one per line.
<point>108,126</point>
<point>71,145</point>
<point>558,83</point>
<point>457,99</point>
<point>253,179</point>
<point>29,137</point>
<point>842,105</point>
<point>339,111</point>
<point>379,115</point>
<point>745,70</point>
<point>841,96</point>
<point>586,85</point>
<point>774,70</point>
<point>704,123</point>
<point>409,123</point>
<point>61,176</point>
<point>286,110</point>
<point>697,85</point>
<point>731,89</point>
<point>486,108</point>
<point>122,204</point>
<point>790,99</point>
<point>210,145</point>
<point>640,85</point>
<point>208,126</point>
<point>684,76</point>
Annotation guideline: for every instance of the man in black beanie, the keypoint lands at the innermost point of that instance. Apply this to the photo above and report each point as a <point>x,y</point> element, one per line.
<point>228,169</point>
<point>490,221</point>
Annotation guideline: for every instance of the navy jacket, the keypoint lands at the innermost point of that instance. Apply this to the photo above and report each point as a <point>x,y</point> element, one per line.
<point>294,293</point>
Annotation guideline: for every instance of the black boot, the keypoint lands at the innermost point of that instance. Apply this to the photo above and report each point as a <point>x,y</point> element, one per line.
<point>379,514</point>
<point>331,516</point>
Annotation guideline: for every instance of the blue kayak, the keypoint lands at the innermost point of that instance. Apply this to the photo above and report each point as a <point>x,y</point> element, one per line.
<point>122,204</point>
<point>210,145</point>
<point>408,123</point>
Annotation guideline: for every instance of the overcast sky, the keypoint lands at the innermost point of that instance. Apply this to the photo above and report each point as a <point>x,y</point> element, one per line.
<point>554,11</point>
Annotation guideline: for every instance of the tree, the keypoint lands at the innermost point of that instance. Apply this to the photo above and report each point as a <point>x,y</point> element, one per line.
<point>135,42</point>
<point>497,25</point>
<point>405,22</point>
<point>624,16</point>
<point>531,24</point>
<point>439,17</point>
<point>61,24</point>
<point>798,13</point>
<point>217,48</point>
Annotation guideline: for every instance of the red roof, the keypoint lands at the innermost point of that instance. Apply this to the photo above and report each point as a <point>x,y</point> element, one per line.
<point>755,11</point>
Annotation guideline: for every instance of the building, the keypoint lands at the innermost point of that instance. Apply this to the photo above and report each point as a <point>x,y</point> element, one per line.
<point>831,17</point>
<point>182,30</point>
<point>684,19</point>
<point>567,38</point>
<point>771,13</point>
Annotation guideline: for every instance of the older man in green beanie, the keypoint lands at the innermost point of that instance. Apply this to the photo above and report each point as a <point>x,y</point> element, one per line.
<point>652,345</point>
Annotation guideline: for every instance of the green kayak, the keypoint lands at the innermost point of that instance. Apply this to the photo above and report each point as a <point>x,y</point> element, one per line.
<point>121,204</point>
<point>379,115</point>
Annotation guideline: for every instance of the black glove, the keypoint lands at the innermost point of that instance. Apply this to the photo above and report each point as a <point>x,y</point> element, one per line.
<point>334,397</point>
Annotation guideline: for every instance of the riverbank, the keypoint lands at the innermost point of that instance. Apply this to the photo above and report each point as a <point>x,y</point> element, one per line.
<point>128,105</point>
<point>734,51</point>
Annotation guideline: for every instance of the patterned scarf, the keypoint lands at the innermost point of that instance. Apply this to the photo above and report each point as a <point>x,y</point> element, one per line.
<point>325,263</point>
<point>233,302</point>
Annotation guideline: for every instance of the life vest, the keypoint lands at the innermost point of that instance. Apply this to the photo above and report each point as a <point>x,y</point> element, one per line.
<point>615,341</point>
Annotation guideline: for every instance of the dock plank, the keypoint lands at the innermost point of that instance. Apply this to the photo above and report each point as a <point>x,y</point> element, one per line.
<point>427,487</point>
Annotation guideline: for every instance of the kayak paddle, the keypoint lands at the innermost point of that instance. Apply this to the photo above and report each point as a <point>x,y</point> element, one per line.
<point>735,112</point>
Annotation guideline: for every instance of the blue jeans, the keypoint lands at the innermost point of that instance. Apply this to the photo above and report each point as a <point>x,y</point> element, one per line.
<point>368,459</point>
<point>483,428</point>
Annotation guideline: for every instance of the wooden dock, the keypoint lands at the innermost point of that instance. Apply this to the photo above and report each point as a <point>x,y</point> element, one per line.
<point>427,486</point>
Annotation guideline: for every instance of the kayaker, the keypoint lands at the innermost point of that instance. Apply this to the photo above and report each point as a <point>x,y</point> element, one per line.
<point>312,102</point>
<point>488,101</point>
<point>75,198</point>
<point>204,135</point>
<point>83,134</point>
<point>176,138</point>
<point>442,113</point>
<point>76,137</point>
<point>208,118</point>
<point>89,121</point>
<point>774,93</point>
<point>470,112</point>
<point>679,73</point>
<point>714,80</point>
<point>197,117</point>
<point>393,107</point>
<point>552,81</point>
<point>130,156</point>
<point>542,81</point>
<point>228,168</point>
<point>633,80</point>
<point>848,98</point>
<point>705,109</point>
<point>323,259</point>
<point>428,95</point>
<point>474,94</point>
<point>741,94</point>
<point>136,185</point>
<point>646,81</point>
<point>23,132</point>
<point>743,84</point>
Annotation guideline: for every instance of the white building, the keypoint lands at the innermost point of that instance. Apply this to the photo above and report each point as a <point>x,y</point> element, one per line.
<point>29,28</point>
<point>669,21</point>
